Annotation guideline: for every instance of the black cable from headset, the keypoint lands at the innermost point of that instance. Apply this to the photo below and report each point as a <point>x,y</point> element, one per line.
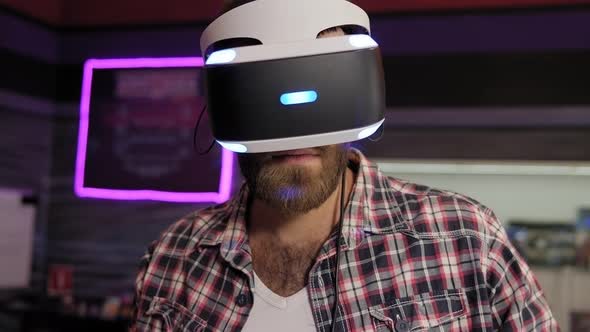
<point>338,245</point>
<point>195,134</point>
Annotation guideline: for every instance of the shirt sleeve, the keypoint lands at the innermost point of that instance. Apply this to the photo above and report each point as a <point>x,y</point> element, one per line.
<point>516,298</point>
<point>139,280</point>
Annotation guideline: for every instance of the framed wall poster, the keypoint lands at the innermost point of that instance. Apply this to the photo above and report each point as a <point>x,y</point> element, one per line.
<point>135,139</point>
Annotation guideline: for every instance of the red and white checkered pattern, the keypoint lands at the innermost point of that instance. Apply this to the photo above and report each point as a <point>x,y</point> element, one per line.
<point>413,258</point>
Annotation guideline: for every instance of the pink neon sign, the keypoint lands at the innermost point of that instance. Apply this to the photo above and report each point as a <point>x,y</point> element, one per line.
<point>225,180</point>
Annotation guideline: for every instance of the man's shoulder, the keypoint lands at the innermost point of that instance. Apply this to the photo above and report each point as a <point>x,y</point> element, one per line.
<point>191,230</point>
<point>432,211</point>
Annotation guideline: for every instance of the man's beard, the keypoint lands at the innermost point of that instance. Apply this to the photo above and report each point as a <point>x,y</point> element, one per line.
<point>294,189</point>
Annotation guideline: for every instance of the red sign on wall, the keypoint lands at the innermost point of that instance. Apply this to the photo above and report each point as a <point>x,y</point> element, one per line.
<point>60,280</point>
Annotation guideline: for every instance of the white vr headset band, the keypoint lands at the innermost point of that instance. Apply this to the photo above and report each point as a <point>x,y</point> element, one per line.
<point>291,50</point>
<point>283,21</point>
<point>301,142</point>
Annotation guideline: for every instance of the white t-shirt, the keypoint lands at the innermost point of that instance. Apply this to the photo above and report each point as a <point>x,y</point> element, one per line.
<point>272,312</point>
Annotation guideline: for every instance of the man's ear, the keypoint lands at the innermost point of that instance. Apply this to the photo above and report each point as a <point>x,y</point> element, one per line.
<point>331,32</point>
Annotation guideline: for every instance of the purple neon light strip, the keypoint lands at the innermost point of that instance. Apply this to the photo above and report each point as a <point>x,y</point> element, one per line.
<point>227,157</point>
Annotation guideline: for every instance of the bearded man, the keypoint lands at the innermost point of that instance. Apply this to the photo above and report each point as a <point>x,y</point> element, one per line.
<point>411,258</point>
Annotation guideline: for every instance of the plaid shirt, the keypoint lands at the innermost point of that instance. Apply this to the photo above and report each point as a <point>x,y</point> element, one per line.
<point>413,259</point>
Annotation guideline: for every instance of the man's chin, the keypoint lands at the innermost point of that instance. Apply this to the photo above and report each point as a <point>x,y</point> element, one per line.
<point>293,200</point>
<point>295,181</point>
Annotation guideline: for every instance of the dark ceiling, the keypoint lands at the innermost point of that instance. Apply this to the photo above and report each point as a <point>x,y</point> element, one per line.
<point>92,13</point>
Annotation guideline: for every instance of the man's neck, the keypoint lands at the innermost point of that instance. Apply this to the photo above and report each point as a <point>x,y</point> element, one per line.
<point>317,224</point>
<point>284,248</point>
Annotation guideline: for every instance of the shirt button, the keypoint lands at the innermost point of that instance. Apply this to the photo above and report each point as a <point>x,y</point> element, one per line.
<point>402,326</point>
<point>242,300</point>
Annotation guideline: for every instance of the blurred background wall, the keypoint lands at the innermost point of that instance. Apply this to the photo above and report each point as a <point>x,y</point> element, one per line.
<point>493,83</point>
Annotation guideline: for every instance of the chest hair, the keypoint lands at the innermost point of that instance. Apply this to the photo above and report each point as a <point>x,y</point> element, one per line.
<point>284,268</point>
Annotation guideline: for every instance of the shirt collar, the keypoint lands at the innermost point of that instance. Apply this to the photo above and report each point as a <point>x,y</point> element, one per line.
<point>373,208</point>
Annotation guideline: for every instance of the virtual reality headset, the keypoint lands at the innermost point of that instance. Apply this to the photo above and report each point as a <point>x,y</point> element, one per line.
<point>273,85</point>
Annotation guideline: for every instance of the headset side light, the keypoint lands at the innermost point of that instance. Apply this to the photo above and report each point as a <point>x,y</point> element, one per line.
<point>221,57</point>
<point>235,147</point>
<point>362,41</point>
